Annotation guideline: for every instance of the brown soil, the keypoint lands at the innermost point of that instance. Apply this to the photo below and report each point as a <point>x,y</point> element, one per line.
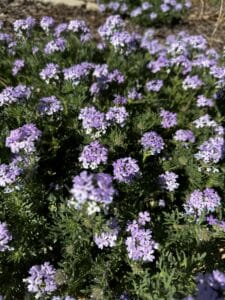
<point>199,21</point>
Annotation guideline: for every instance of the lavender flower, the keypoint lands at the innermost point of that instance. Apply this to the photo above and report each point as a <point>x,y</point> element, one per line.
<point>198,202</point>
<point>169,119</point>
<point>79,27</point>
<point>5,237</point>
<point>186,136</point>
<point>118,115</point>
<point>140,245</point>
<point>23,27</point>
<point>154,85</point>
<point>119,100</point>
<point>59,29</point>
<point>152,141</point>
<point>9,174</point>
<point>202,101</point>
<point>23,138</point>
<point>125,169</point>
<point>93,155</point>
<point>106,239</point>
<point>41,281</point>
<point>78,72</point>
<point>57,45</point>
<point>92,187</point>
<point>17,66</point>
<point>168,181</point>
<point>51,71</point>
<point>93,121</point>
<point>192,82</point>
<point>49,105</point>
<point>46,23</point>
<point>125,42</point>
<point>62,298</point>
<point>14,94</point>
<point>112,25</point>
<point>133,94</point>
<point>212,150</point>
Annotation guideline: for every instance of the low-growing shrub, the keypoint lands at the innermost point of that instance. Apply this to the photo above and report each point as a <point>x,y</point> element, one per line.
<point>148,12</point>
<point>111,164</point>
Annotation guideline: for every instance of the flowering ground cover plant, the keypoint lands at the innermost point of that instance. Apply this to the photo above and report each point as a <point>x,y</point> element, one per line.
<point>111,164</point>
<point>147,12</point>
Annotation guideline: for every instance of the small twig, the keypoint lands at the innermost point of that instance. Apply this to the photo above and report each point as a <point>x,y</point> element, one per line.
<point>219,19</point>
<point>202,9</point>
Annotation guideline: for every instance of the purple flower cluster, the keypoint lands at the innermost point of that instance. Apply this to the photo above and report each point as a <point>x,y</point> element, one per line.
<point>17,66</point>
<point>57,45</point>
<point>125,42</point>
<point>140,245</point>
<point>78,72</point>
<point>152,141</point>
<point>202,101</point>
<point>106,239</point>
<point>9,173</point>
<point>14,94</point>
<point>199,202</point>
<point>154,85</point>
<point>168,181</point>
<point>117,115</point>
<point>210,286</point>
<point>80,28</point>
<point>23,138</point>
<point>185,136</point>
<point>113,24</point>
<point>41,281</point>
<point>5,237</point>
<point>125,169</point>
<point>93,155</point>
<point>93,187</point>
<point>192,82</point>
<point>49,106</point>
<point>23,27</point>
<point>169,119</point>
<point>212,150</point>
<point>46,23</point>
<point>62,298</point>
<point>51,71</point>
<point>93,121</point>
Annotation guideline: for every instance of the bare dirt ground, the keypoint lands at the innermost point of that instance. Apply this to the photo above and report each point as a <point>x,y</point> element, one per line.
<point>207,17</point>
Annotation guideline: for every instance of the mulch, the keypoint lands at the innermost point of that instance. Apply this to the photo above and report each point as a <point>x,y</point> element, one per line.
<point>199,21</point>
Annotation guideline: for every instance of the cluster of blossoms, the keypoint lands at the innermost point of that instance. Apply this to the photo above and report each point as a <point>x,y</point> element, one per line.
<point>92,187</point>
<point>51,71</point>
<point>47,23</point>
<point>17,66</point>
<point>210,286</point>
<point>168,181</point>
<point>153,142</point>
<point>23,27</point>
<point>49,105</point>
<point>93,121</point>
<point>57,45</point>
<point>169,119</point>
<point>93,155</point>
<point>140,245</point>
<point>9,173</point>
<point>5,237</point>
<point>78,72</point>
<point>145,9</point>
<point>80,28</point>
<point>117,115</point>
<point>184,136</point>
<point>107,238</point>
<point>125,169</point>
<point>41,281</point>
<point>212,150</point>
<point>154,85</point>
<point>23,138</point>
<point>199,202</point>
<point>14,94</point>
